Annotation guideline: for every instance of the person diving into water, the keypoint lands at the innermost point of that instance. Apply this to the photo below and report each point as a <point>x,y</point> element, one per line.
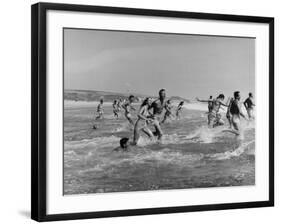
<point>214,117</point>
<point>144,117</point>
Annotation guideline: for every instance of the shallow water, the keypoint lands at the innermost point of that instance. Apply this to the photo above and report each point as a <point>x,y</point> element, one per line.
<point>189,156</point>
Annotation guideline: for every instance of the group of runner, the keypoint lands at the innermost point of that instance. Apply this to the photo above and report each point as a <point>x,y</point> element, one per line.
<point>151,113</point>
<point>233,113</point>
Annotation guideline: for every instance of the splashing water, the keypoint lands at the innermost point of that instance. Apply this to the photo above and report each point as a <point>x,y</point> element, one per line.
<point>189,154</point>
<point>228,154</point>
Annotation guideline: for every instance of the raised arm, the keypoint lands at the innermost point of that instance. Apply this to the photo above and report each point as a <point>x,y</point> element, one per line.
<point>204,101</point>
<point>223,104</point>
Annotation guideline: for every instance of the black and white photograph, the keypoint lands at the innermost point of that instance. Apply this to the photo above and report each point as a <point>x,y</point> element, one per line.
<point>148,111</point>
<point>140,112</point>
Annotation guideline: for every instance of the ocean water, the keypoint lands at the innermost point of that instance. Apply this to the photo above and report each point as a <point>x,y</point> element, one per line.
<point>190,155</point>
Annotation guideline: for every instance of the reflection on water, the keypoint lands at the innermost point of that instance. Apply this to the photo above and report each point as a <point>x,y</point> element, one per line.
<point>189,156</point>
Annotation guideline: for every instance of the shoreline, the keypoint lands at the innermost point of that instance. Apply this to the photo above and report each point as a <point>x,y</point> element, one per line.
<point>188,106</point>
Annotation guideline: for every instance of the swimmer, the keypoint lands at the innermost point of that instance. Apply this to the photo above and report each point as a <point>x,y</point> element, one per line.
<point>168,113</point>
<point>144,118</point>
<point>128,107</point>
<point>124,145</point>
<point>249,105</point>
<point>210,104</point>
<point>94,127</point>
<point>179,108</point>
<point>228,114</point>
<point>235,111</point>
<point>115,109</point>
<point>119,104</point>
<point>214,117</point>
<point>100,110</point>
<point>158,107</point>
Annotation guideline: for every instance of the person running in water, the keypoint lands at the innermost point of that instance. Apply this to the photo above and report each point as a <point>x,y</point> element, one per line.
<point>210,104</point>
<point>249,105</point>
<point>115,109</point>
<point>235,111</point>
<point>100,110</point>
<point>179,108</point>
<point>168,113</point>
<point>119,104</point>
<point>157,108</point>
<point>128,107</point>
<point>228,114</point>
<point>144,117</point>
<point>214,117</point>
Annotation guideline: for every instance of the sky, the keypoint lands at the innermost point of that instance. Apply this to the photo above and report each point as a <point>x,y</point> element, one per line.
<point>136,62</point>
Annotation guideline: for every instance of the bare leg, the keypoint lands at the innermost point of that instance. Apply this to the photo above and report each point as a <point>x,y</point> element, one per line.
<point>219,123</point>
<point>148,132</point>
<point>98,117</point>
<point>229,120</point>
<point>165,118</point>
<point>250,113</point>
<point>235,125</point>
<point>115,115</point>
<point>136,133</point>
<point>158,129</point>
<point>129,118</point>
<point>178,115</point>
<point>211,121</point>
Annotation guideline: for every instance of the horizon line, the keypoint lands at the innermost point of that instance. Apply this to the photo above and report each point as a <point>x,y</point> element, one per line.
<point>133,93</point>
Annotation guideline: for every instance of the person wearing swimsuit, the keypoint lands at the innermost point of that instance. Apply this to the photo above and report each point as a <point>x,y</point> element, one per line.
<point>158,107</point>
<point>179,108</point>
<point>115,109</point>
<point>214,117</point>
<point>100,110</point>
<point>249,105</point>
<point>235,111</point>
<point>168,113</point>
<point>144,117</point>
<point>210,103</point>
<point>128,107</point>
<point>124,145</point>
<point>119,104</point>
<point>228,114</point>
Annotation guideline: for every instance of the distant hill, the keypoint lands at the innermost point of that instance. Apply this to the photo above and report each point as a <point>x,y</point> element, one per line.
<point>92,95</point>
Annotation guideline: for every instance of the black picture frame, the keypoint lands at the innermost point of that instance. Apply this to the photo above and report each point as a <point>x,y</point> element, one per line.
<point>39,108</point>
